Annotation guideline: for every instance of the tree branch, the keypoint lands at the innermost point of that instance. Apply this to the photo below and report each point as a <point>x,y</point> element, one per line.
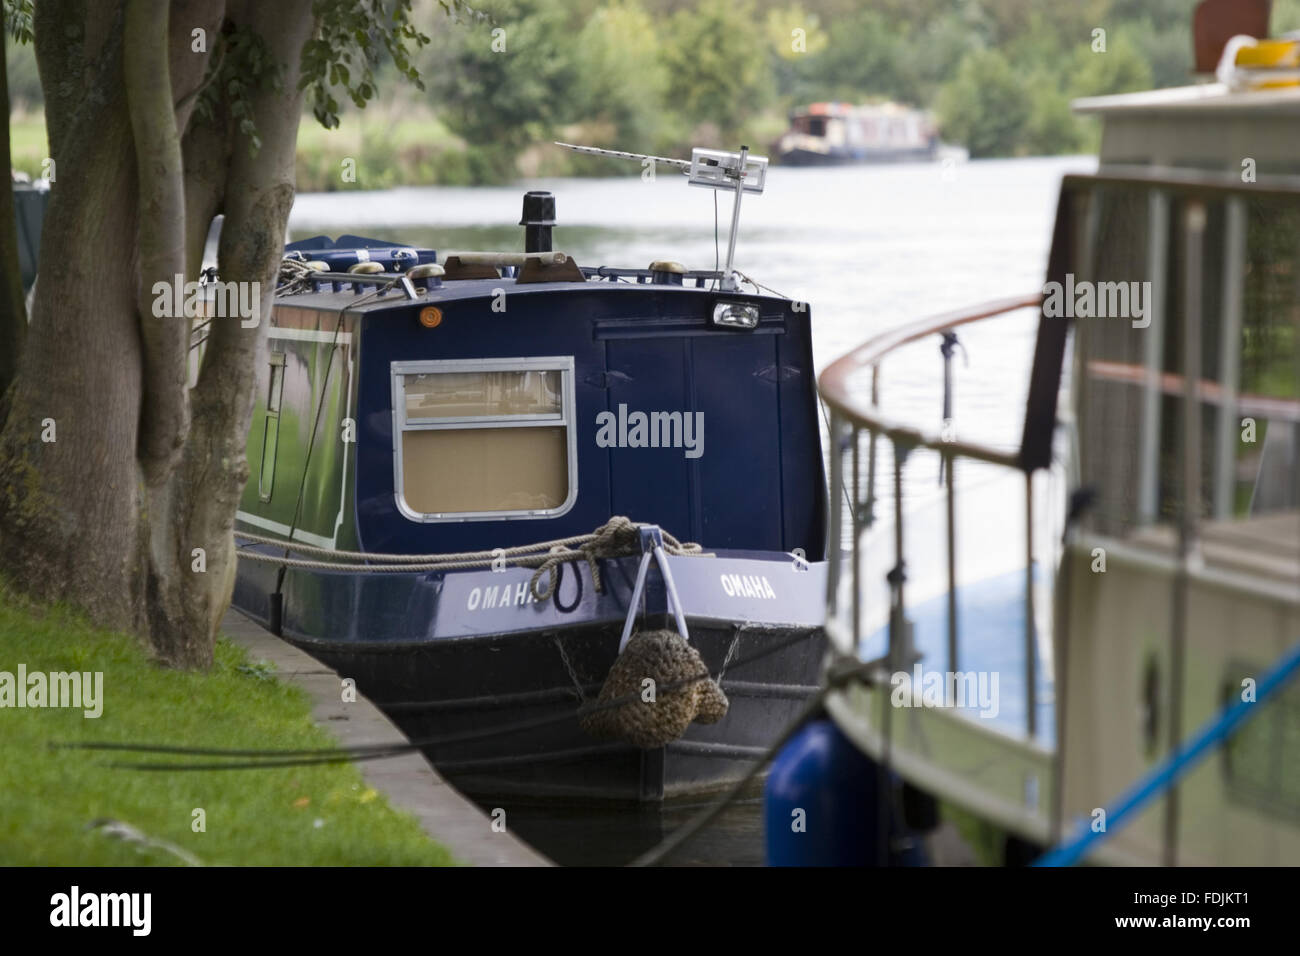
<point>160,238</point>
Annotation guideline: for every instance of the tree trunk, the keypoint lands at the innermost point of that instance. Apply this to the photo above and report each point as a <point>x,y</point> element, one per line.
<point>69,498</point>
<point>184,609</point>
<point>108,484</point>
<point>164,333</point>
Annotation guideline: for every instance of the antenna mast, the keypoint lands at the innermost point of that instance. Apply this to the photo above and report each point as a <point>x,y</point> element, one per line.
<point>714,169</point>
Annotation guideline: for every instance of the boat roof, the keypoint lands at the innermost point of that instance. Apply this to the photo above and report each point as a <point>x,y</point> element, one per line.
<point>1202,97</point>
<point>464,289</point>
<point>837,108</point>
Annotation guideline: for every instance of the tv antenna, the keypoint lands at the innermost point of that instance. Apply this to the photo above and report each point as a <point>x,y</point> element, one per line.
<point>739,173</point>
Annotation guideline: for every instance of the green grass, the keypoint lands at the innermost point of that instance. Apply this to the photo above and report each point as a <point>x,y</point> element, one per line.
<point>386,148</point>
<point>318,815</point>
<point>27,143</point>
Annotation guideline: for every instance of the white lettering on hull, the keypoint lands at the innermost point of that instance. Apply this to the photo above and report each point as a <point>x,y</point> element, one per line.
<point>499,595</point>
<point>748,585</point>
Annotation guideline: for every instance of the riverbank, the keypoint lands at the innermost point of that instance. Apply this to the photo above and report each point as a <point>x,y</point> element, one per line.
<point>408,780</point>
<point>388,147</point>
<point>64,806</point>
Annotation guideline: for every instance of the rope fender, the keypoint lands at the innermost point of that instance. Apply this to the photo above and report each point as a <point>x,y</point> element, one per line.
<point>652,718</point>
<point>650,660</point>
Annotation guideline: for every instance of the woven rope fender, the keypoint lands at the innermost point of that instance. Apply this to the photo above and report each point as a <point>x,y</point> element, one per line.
<point>680,694</point>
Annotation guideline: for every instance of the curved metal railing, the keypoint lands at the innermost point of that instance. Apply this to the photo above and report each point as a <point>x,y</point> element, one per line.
<point>851,412</point>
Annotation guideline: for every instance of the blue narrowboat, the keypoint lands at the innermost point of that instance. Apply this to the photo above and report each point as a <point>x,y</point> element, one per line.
<point>437,438</point>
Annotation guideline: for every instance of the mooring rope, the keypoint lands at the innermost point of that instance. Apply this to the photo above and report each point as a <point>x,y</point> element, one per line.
<point>287,758</point>
<point>617,538</point>
<point>839,673</point>
<point>293,277</point>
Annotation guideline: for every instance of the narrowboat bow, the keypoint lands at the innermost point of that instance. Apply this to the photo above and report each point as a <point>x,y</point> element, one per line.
<point>440,456</point>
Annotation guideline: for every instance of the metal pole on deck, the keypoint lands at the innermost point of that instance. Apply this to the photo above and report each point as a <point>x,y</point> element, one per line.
<point>952,563</point>
<point>897,648</point>
<point>1031,662</point>
<point>727,280</point>
<point>836,534</point>
<point>1189,509</point>
<point>855,520</point>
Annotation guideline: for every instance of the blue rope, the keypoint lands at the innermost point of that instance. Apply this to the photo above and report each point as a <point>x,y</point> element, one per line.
<point>1175,766</point>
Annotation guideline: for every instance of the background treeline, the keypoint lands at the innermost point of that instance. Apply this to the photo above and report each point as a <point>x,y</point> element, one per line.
<point>662,75</point>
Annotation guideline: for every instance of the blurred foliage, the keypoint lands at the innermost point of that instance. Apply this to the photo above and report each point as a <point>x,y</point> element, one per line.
<point>506,81</point>
<point>18,19</point>
<point>503,77</point>
<point>987,106</point>
<point>718,64</point>
<point>20,58</point>
<point>350,42</point>
<point>620,41</point>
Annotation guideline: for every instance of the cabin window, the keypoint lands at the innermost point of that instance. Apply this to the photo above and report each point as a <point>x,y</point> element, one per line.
<point>271,426</point>
<point>484,438</point>
<point>1134,361</point>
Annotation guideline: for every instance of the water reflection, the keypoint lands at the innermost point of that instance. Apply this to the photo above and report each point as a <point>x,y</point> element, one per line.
<point>602,835</point>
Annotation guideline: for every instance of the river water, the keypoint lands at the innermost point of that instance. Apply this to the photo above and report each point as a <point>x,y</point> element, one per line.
<point>867,247</point>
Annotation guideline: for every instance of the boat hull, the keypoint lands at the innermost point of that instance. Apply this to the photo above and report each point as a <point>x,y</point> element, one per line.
<point>514,699</point>
<point>494,693</point>
<point>808,157</point>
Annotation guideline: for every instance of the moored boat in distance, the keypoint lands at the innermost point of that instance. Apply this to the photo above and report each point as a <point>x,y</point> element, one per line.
<point>442,453</point>
<point>835,134</point>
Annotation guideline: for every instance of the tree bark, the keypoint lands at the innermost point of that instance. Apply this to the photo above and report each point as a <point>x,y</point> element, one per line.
<point>118,482</point>
<point>69,500</point>
<point>205,490</point>
<point>107,485</point>
<point>164,332</point>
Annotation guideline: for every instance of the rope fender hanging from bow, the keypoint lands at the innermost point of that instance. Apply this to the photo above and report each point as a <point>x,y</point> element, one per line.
<point>659,674</point>
<point>662,709</point>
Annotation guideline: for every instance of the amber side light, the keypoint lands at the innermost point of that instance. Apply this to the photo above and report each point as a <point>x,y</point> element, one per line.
<point>430,317</point>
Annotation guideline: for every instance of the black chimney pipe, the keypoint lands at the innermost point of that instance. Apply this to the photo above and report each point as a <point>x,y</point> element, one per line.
<point>539,217</point>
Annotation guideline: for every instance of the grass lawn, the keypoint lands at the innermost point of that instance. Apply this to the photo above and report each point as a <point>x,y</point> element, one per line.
<point>316,815</point>
<point>27,143</point>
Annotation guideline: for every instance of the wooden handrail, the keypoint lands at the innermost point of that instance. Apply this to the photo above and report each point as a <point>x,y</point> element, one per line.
<point>1208,391</point>
<point>833,383</point>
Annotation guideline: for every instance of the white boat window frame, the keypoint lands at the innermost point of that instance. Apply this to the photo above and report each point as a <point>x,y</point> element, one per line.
<point>567,419</point>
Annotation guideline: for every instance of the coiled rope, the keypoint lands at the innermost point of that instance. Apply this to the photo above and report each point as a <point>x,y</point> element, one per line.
<point>617,538</point>
<point>294,277</point>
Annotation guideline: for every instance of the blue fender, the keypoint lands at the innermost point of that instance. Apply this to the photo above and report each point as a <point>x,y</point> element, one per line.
<point>820,805</point>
